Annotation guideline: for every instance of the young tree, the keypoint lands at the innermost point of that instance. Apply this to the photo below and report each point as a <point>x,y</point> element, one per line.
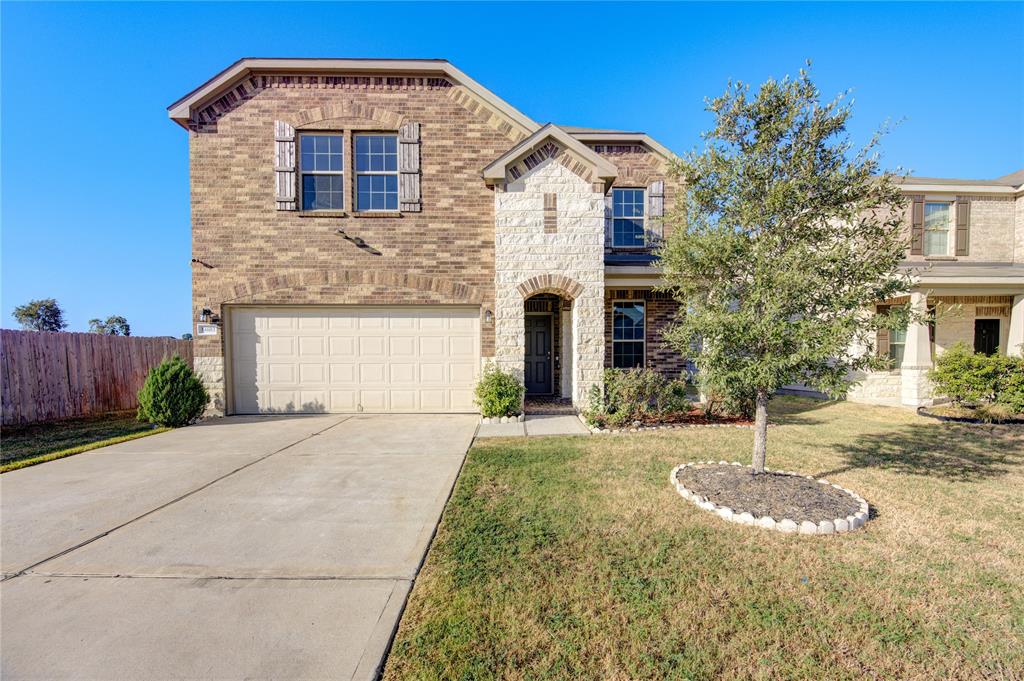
<point>784,240</point>
<point>40,315</point>
<point>114,325</point>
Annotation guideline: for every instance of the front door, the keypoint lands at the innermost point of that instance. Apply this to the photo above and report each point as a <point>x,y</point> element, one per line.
<point>986,336</point>
<point>538,354</point>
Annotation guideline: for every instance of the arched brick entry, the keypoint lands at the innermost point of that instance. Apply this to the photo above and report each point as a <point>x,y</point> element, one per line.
<point>558,284</point>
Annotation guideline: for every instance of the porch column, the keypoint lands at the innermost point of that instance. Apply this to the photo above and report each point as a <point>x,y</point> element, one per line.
<point>1015,339</point>
<point>917,356</point>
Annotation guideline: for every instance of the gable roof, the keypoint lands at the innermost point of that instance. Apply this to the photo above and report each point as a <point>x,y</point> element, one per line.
<point>181,110</point>
<point>497,170</point>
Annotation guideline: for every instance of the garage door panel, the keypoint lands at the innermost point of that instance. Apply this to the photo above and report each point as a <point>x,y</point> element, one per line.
<point>402,372</point>
<point>371,346</point>
<point>354,359</point>
<point>432,346</point>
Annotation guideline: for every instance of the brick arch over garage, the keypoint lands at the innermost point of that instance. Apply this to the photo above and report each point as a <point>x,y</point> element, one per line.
<point>253,290</point>
<point>550,283</point>
<point>349,109</point>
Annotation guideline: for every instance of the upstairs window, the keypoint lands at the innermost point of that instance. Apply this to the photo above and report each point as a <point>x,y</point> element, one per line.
<point>376,172</point>
<point>322,171</point>
<point>628,218</point>
<point>628,335</point>
<point>936,228</point>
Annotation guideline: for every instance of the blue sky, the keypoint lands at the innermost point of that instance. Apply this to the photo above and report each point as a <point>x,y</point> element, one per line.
<point>95,177</point>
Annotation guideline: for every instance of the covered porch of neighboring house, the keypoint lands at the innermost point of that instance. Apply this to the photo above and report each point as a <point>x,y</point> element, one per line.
<point>989,319</point>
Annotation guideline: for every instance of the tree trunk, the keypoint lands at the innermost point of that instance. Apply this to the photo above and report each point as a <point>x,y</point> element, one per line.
<point>760,432</point>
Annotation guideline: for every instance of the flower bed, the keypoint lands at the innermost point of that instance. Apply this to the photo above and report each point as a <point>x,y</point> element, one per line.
<point>778,500</point>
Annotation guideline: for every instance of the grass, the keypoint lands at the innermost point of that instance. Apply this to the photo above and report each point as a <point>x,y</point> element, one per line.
<point>574,558</point>
<point>40,442</point>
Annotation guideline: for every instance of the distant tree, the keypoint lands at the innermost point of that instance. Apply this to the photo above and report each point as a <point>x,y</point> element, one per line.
<point>114,325</point>
<point>40,315</point>
<point>787,237</point>
<point>186,336</point>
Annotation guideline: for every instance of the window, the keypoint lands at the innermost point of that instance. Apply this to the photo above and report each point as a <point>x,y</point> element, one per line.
<point>936,228</point>
<point>376,172</point>
<point>628,218</point>
<point>322,172</point>
<point>897,344</point>
<point>627,335</point>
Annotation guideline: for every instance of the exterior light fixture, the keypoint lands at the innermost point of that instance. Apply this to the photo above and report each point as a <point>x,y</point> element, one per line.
<point>205,315</point>
<point>488,317</point>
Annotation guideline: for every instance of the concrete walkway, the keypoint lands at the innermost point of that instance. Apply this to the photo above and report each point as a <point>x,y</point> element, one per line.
<point>242,548</point>
<point>535,426</point>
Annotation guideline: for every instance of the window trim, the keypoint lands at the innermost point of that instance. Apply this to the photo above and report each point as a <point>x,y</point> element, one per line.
<point>642,341</point>
<point>356,173</point>
<point>301,197</point>
<point>950,227</point>
<point>643,218</point>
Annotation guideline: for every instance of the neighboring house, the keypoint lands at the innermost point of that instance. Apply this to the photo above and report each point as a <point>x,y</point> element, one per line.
<point>367,234</point>
<point>967,257</point>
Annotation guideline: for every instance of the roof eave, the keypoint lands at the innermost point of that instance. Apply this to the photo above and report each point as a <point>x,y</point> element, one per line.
<point>181,110</point>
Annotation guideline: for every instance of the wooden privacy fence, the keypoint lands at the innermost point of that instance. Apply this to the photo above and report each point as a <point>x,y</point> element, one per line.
<point>57,375</point>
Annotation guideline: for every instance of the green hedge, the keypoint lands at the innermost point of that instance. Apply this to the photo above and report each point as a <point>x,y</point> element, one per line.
<point>172,395</point>
<point>970,378</point>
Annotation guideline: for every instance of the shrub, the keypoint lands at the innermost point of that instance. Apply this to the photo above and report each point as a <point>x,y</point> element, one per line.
<point>1010,385</point>
<point>633,394</point>
<point>172,395</point>
<point>498,393</point>
<point>965,376</point>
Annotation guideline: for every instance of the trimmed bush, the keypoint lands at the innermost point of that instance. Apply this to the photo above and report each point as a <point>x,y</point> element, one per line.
<point>1010,386</point>
<point>498,393</point>
<point>634,394</point>
<point>172,395</point>
<point>964,376</point>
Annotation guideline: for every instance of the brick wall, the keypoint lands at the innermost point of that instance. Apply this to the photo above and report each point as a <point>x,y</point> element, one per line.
<point>443,255</point>
<point>660,311</point>
<point>992,230</point>
<point>638,166</point>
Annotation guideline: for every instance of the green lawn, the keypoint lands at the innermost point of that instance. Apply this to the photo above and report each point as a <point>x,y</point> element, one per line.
<point>27,445</point>
<point>574,558</point>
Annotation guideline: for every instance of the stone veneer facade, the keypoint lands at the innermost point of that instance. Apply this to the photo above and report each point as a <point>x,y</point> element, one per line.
<point>568,262</point>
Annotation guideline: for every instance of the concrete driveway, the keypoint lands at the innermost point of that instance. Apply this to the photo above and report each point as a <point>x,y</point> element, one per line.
<point>241,548</point>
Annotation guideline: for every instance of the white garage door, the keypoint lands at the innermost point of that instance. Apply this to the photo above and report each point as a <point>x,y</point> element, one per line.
<point>386,359</point>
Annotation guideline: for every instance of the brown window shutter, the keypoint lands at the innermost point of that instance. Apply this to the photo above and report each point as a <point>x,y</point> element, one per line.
<point>609,207</point>
<point>917,225</point>
<point>963,224</point>
<point>284,166</point>
<point>656,207</point>
<point>882,335</point>
<point>409,198</point>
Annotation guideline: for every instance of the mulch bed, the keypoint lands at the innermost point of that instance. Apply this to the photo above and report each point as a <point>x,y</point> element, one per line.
<point>960,416</point>
<point>694,417</point>
<point>771,494</point>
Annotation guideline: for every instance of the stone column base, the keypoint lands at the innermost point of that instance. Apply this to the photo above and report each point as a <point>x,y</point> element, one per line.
<point>211,371</point>
<point>915,390</point>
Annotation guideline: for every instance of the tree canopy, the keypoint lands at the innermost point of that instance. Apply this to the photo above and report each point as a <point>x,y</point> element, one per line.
<point>40,315</point>
<point>786,236</point>
<point>114,325</point>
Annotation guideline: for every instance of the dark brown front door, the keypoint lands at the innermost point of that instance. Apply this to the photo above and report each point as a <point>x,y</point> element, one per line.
<point>986,336</point>
<point>538,354</point>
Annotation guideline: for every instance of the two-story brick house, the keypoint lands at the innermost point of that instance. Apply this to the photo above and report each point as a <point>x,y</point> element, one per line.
<point>368,233</point>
